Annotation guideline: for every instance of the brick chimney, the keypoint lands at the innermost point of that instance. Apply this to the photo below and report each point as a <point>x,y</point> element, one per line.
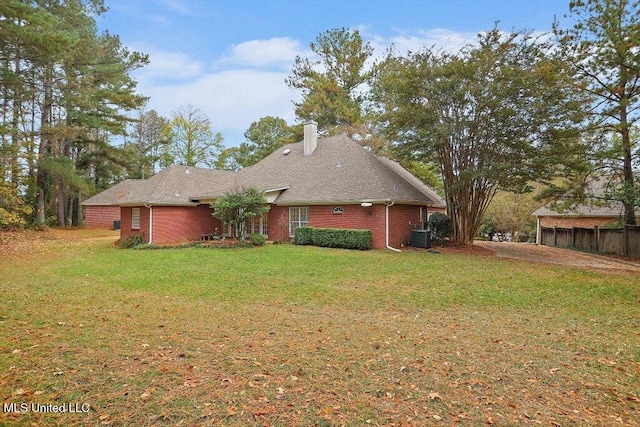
<point>310,137</point>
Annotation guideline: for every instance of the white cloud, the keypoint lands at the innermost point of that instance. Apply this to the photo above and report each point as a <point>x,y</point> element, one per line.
<point>414,41</point>
<point>248,82</point>
<point>169,65</point>
<point>232,99</point>
<point>280,51</point>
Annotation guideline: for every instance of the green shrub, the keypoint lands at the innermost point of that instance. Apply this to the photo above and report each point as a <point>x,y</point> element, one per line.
<point>257,239</point>
<point>440,226</point>
<point>131,241</point>
<point>304,236</point>
<point>334,238</point>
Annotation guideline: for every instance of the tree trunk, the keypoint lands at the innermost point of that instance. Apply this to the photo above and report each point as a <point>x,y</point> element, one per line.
<point>627,165</point>
<point>61,205</point>
<point>43,149</point>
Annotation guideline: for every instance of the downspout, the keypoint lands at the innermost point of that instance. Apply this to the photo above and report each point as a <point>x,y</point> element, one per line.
<point>387,206</point>
<point>538,231</point>
<point>150,222</point>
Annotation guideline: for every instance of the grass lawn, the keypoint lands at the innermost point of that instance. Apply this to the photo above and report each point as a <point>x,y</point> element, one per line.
<point>284,335</point>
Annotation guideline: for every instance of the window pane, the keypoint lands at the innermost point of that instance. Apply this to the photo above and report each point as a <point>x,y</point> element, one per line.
<point>298,217</point>
<point>135,218</point>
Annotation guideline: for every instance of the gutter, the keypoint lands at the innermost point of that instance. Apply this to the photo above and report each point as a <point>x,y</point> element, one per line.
<point>150,222</point>
<point>387,206</point>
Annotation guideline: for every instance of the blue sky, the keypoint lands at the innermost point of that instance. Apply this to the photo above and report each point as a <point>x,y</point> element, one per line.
<point>230,58</point>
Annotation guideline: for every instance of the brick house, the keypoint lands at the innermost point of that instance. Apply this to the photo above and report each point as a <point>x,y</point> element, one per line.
<point>321,182</point>
<point>101,210</point>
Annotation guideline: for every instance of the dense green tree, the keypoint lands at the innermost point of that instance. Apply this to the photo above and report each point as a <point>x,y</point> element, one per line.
<point>236,208</point>
<point>228,159</point>
<point>65,91</point>
<point>333,82</point>
<point>603,47</point>
<point>263,138</point>
<point>146,141</point>
<point>496,115</point>
<point>190,139</point>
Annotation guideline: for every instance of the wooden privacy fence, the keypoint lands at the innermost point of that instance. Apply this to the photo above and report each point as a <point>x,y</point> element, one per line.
<point>607,241</point>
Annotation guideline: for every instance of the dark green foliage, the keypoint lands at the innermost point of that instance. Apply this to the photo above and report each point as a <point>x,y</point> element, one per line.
<point>304,236</point>
<point>601,47</point>
<point>496,115</point>
<point>65,90</point>
<point>131,241</point>
<point>334,237</point>
<point>236,208</point>
<point>331,81</point>
<point>440,226</point>
<point>257,239</point>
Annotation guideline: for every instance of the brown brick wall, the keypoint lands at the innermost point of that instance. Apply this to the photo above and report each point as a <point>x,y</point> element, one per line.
<point>353,216</point>
<point>125,223</point>
<point>278,223</point>
<point>180,224</point>
<point>402,219</point>
<point>101,216</point>
<point>172,224</point>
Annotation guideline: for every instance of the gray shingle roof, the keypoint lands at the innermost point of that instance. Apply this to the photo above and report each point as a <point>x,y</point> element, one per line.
<point>338,171</point>
<point>613,209</point>
<point>173,186</point>
<point>113,195</point>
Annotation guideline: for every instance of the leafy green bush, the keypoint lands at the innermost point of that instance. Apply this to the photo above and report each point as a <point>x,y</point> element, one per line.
<point>440,226</point>
<point>131,241</point>
<point>257,239</point>
<point>334,237</point>
<point>303,236</point>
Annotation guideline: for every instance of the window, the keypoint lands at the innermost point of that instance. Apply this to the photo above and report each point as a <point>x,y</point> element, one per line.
<point>135,218</point>
<point>338,210</point>
<point>423,217</point>
<point>258,225</point>
<point>298,217</point>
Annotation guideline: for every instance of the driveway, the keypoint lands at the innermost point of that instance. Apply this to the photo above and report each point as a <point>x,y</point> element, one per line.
<point>550,255</point>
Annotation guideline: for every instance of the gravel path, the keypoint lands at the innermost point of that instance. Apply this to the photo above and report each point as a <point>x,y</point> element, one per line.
<point>550,255</point>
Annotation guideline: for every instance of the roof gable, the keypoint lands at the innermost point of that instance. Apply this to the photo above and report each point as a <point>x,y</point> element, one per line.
<point>338,171</point>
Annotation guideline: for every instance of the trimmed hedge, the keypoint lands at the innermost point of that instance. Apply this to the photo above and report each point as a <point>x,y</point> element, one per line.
<point>334,237</point>
<point>303,236</point>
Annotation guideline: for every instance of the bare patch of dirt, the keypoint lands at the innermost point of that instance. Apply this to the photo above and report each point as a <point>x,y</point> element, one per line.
<point>549,255</point>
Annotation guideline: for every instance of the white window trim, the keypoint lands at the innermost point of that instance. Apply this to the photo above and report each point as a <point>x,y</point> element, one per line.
<point>262,224</point>
<point>298,222</point>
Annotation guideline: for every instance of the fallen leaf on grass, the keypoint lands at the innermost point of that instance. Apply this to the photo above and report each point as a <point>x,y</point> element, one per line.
<point>262,411</point>
<point>434,396</point>
<point>231,411</point>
